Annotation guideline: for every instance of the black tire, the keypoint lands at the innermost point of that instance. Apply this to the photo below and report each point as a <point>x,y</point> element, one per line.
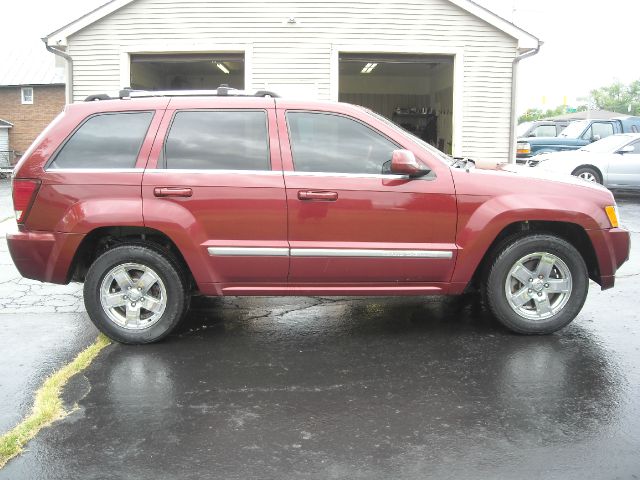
<point>588,173</point>
<point>172,292</point>
<point>568,304</point>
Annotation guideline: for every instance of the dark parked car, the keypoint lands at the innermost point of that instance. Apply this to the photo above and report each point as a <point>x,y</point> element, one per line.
<point>151,200</point>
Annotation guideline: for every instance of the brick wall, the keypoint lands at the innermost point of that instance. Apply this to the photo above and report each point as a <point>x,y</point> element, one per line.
<point>29,120</point>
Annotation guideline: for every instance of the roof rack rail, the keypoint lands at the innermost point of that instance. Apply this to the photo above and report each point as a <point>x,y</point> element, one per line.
<point>222,91</point>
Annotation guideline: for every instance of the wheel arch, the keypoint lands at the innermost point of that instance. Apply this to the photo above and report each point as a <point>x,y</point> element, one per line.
<point>101,239</point>
<point>593,167</point>
<point>570,232</point>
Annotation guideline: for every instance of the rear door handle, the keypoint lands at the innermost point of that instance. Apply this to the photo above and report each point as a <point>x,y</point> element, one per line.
<point>317,195</point>
<point>172,192</point>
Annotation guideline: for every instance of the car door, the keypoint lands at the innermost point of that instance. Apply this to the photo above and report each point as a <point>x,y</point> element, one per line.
<point>623,170</point>
<point>349,221</point>
<point>217,190</point>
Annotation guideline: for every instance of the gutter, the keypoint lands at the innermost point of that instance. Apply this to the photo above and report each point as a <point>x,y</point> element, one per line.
<point>514,82</point>
<point>69,60</point>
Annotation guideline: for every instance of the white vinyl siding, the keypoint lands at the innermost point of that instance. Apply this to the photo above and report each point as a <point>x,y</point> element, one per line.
<point>280,53</point>
<point>4,142</point>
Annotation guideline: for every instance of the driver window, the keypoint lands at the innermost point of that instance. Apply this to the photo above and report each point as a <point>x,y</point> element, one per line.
<point>322,142</point>
<point>602,129</point>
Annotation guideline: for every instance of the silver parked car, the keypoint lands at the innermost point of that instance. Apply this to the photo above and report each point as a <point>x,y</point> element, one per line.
<point>613,161</point>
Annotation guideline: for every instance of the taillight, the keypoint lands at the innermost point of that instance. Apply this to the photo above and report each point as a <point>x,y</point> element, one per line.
<point>24,192</point>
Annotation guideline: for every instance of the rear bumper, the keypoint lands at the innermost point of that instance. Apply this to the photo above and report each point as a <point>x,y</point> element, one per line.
<point>44,256</point>
<point>612,249</point>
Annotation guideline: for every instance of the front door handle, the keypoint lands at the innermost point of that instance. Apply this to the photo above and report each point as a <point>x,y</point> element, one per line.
<point>172,192</point>
<point>318,195</point>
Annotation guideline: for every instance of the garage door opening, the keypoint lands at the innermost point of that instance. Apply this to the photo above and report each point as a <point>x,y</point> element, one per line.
<point>202,71</point>
<point>413,91</point>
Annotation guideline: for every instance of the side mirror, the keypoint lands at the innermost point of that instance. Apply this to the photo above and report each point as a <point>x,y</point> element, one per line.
<point>627,149</point>
<point>403,162</point>
<point>595,138</point>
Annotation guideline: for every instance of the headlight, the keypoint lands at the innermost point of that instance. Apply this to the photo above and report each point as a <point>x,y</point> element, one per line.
<point>613,215</point>
<point>523,148</point>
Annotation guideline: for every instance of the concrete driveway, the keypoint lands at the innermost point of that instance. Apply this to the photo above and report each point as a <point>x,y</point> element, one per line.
<point>370,388</point>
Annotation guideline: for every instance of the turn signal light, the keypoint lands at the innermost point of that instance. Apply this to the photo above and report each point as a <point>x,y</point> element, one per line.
<point>523,148</point>
<point>612,214</point>
<point>24,193</point>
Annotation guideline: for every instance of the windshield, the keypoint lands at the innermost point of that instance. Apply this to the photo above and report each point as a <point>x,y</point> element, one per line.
<point>575,129</point>
<point>522,128</point>
<point>430,148</point>
<point>607,145</point>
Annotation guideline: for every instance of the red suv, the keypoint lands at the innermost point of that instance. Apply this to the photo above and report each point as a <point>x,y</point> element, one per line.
<point>150,200</point>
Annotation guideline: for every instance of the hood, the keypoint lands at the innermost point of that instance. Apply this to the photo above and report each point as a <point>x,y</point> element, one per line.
<point>511,171</point>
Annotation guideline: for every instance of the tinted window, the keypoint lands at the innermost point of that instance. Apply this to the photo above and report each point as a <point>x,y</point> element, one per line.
<point>110,140</point>
<point>230,140</point>
<point>331,143</point>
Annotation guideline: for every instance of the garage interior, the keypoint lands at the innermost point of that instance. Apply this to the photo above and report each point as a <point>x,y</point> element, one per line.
<point>413,91</point>
<point>185,71</point>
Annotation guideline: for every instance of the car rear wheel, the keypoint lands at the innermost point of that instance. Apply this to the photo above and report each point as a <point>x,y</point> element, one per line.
<point>589,174</point>
<point>135,294</point>
<point>536,284</point>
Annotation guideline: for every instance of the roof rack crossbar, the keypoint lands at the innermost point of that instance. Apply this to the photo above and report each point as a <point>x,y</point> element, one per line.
<point>222,91</point>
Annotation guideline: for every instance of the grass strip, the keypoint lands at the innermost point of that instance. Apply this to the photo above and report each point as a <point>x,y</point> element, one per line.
<point>47,407</point>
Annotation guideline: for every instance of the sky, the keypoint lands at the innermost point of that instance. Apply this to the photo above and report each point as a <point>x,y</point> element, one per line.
<point>586,44</point>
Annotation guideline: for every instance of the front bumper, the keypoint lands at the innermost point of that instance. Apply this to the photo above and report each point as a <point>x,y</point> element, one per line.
<point>44,256</point>
<point>612,247</point>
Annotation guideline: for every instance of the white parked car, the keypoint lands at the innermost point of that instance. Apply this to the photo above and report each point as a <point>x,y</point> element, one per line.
<point>613,161</point>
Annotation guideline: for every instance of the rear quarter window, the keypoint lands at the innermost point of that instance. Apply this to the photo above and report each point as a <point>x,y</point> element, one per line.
<point>108,140</point>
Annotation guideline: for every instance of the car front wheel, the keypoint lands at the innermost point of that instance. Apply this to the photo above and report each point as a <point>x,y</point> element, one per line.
<point>589,174</point>
<point>536,284</point>
<point>135,294</point>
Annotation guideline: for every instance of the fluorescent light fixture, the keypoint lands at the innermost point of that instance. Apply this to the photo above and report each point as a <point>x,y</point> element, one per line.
<point>368,67</point>
<point>222,67</point>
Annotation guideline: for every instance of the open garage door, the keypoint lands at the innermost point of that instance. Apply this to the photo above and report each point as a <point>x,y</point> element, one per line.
<point>414,91</point>
<point>187,71</point>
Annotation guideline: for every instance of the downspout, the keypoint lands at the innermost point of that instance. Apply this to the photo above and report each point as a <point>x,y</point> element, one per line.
<point>67,57</point>
<point>514,118</point>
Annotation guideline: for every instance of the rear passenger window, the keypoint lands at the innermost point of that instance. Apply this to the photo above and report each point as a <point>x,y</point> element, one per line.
<point>109,140</point>
<point>218,140</point>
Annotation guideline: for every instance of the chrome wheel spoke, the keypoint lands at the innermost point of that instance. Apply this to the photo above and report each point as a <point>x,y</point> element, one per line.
<point>522,273</point>
<point>146,281</point>
<point>543,307</point>
<point>520,297</point>
<point>113,300</point>
<point>123,279</point>
<point>560,285</point>
<point>133,315</point>
<point>152,304</point>
<point>545,266</point>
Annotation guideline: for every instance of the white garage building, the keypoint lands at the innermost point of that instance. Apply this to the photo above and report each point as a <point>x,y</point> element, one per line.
<point>444,69</point>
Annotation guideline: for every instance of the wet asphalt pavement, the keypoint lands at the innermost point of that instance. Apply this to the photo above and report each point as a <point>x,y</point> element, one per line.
<point>371,388</point>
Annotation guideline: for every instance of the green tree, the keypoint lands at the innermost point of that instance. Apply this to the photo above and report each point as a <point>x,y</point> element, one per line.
<point>536,114</point>
<point>619,98</point>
